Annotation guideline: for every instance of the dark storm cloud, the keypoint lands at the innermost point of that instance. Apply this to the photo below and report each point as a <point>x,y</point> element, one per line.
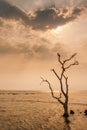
<point>77,11</point>
<point>51,17</point>
<point>9,11</point>
<point>43,19</point>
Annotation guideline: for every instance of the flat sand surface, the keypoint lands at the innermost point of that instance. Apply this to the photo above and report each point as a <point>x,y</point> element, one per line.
<point>34,110</point>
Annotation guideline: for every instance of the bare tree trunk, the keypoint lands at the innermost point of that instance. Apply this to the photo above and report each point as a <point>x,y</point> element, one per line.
<point>65,106</point>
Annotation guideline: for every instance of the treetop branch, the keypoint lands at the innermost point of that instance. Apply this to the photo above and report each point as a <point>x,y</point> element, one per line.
<point>75,63</point>
<point>59,58</point>
<point>72,56</point>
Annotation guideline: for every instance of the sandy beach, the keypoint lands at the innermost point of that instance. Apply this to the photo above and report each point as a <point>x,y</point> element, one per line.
<point>34,110</point>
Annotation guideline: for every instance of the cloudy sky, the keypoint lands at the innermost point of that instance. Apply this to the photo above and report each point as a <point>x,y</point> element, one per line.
<point>32,32</point>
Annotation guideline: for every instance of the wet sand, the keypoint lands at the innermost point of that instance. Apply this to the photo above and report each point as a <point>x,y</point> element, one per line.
<point>34,110</point>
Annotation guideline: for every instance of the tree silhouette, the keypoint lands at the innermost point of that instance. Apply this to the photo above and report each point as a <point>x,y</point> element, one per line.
<point>62,78</point>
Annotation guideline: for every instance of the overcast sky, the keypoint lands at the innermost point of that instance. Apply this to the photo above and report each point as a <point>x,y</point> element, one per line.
<point>32,32</point>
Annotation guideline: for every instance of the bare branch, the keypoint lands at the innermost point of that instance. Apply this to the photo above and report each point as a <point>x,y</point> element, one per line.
<point>69,58</point>
<point>75,63</point>
<point>52,93</point>
<point>55,73</point>
<point>65,77</point>
<point>59,99</point>
<point>59,58</point>
<point>43,80</point>
<point>62,88</point>
<point>60,79</point>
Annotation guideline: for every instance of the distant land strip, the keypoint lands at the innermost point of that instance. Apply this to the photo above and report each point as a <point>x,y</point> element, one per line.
<point>39,101</point>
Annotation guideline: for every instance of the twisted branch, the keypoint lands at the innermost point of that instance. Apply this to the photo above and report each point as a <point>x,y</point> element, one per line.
<point>72,56</point>
<point>75,63</point>
<point>51,90</point>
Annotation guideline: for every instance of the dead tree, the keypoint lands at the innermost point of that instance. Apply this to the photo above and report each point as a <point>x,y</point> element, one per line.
<point>62,78</point>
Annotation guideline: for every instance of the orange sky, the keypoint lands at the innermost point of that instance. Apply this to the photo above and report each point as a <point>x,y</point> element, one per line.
<point>32,33</point>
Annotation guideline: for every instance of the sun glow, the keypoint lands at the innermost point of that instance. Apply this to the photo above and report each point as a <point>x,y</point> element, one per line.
<point>58,29</point>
